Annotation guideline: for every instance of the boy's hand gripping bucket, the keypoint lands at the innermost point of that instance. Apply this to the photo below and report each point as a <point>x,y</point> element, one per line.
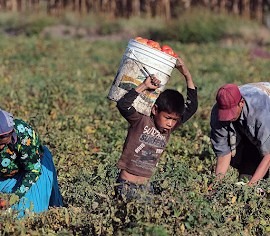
<point>140,61</point>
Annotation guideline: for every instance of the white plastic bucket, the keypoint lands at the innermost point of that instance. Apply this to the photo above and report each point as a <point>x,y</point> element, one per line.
<point>131,73</point>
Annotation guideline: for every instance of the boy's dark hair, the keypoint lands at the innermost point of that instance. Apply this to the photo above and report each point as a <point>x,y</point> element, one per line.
<point>171,101</point>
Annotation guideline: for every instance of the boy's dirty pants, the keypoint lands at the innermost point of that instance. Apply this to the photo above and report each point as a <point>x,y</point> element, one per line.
<point>130,189</point>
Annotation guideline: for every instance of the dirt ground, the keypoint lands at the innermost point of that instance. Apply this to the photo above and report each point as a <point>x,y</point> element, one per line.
<point>68,32</point>
<point>258,43</point>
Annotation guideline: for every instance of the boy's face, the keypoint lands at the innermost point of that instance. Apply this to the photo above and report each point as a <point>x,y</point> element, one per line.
<point>164,121</point>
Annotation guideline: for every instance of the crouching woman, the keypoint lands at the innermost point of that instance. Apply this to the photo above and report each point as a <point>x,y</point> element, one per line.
<point>26,167</point>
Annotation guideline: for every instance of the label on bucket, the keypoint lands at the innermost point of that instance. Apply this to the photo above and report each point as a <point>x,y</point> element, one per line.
<point>128,83</point>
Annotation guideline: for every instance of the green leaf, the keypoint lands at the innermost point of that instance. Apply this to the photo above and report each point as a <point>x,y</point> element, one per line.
<point>14,199</point>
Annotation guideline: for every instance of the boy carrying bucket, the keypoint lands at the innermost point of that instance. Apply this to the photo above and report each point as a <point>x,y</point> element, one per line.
<point>147,136</point>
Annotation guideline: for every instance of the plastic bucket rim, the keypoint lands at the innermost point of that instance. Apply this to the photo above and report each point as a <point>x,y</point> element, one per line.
<point>152,49</point>
<point>162,60</point>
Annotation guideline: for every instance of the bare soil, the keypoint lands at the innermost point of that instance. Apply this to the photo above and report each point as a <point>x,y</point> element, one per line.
<point>69,32</point>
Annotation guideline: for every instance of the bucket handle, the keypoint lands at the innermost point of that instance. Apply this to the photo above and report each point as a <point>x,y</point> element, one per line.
<point>145,70</point>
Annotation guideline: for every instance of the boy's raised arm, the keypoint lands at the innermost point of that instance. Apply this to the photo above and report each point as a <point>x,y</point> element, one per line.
<point>191,104</point>
<point>148,84</point>
<point>124,105</point>
<point>185,72</point>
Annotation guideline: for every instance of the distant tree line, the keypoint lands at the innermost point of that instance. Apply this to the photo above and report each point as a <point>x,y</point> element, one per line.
<point>142,8</point>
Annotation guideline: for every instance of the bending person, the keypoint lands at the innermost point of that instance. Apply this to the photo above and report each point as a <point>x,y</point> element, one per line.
<point>26,166</point>
<point>240,130</point>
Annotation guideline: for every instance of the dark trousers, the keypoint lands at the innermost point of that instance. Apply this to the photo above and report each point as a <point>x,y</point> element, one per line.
<point>130,189</point>
<point>247,158</point>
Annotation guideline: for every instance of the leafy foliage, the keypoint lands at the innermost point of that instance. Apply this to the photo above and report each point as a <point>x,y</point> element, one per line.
<point>201,26</point>
<point>198,28</point>
<point>198,25</point>
<point>60,87</point>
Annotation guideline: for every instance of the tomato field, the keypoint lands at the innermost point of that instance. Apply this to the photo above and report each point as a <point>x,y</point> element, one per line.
<point>60,87</point>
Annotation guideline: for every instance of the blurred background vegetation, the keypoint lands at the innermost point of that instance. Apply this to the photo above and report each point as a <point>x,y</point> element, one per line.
<point>198,25</point>
<point>165,9</point>
<point>58,60</point>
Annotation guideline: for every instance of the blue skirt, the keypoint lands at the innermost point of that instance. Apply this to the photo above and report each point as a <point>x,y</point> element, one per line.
<point>44,193</point>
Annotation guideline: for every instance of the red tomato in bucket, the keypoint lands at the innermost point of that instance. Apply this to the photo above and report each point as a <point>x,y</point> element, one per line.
<point>169,51</point>
<point>150,43</point>
<point>137,38</point>
<point>144,41</point>
<point>165,47</point>
<point>153,44</point>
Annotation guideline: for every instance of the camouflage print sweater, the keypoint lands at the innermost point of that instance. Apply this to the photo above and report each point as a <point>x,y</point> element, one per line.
<point>23,154</point>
